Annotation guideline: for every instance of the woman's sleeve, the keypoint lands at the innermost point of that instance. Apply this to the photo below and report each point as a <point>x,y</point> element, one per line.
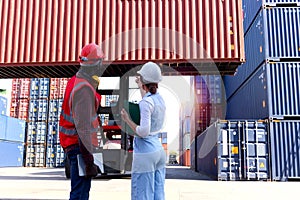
<point>146,108</point>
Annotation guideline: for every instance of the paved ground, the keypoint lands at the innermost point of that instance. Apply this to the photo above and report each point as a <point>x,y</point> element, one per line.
<point>181,184</point>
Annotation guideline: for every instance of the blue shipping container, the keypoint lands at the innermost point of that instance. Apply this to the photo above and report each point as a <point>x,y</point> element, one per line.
<point>39,88</point>
<point>3,105</point>
<point>53,133</point>
<point>38,110</point>
<point>234,150</point>
<point>251,8</point>
<point>12,129</point>
<point>35,155</point>
<point>276,35</point>
<point>11,154</point>
<point>15,130</point>
<point>54,156</point>
<point>285,149</point>
<point>3,125</point>
<point>36,132</point>
<point>272,92</point>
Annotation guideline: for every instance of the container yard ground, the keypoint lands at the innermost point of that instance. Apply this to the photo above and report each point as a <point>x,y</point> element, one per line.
<point>181,184</point>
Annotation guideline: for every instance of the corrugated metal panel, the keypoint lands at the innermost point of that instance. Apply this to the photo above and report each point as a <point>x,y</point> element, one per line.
<point>15,130</point>
<point>160,30</point>
<point>11,154</point>
<point>12,129</point>
<point>284,40</point>
<point>272,92</point>
<point>251,8</point>
<point>276,35</point>
<point>285,149</point>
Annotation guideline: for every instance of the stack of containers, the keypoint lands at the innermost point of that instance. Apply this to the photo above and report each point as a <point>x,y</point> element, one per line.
<point>209,107</point>
<point>55,153</point>
<point>37,122</point>
<point>209,92</point>
<point>12,136</point>
<point>20,98</point>
<point>267,86</point>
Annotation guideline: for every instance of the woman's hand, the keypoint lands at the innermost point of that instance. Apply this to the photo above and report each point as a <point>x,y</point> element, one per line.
<point>124,115</point>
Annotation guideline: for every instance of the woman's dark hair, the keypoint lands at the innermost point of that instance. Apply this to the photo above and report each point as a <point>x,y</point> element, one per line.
<point>152,87</point>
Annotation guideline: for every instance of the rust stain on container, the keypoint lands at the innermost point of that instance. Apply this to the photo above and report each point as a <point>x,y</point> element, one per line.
<point>165,31</point>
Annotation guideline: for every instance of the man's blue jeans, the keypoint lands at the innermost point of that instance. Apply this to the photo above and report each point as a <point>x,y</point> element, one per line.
<point>80,186</point>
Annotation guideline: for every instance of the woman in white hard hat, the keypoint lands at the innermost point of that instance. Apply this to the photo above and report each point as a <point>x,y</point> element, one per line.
<point>148,166</point>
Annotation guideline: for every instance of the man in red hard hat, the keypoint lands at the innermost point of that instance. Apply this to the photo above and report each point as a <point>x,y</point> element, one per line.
<point>79,121</point>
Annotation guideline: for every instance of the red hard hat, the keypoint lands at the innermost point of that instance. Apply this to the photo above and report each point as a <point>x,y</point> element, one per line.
<point>91,53</point>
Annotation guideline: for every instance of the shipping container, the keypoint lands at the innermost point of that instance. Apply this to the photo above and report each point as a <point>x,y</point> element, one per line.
<point>233,150</point>
<point>54,109</point>
<point>19,108</point>
<point>15,130</point>
<point>3,127</point>
<point>176,32</point>
<point>36,132</point>
<point>11,153</point>
<point>251,8</point>
<point>58,87</point>
<point>275,32</point>
<point>272,92</point>
<point>3,105</point>
<point>35,155</point>
<point>20,88</point>
<point>38,110</point>
<point>39,88</point>
<point>53,133</point>
<point>186,158</point>
<point>22,110</point>
<point>209,100</point>
<point>285,149</point>
<point>54,156</point>
<point>12,129</point>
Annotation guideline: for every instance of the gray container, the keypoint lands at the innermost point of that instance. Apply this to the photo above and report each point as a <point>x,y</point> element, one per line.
<point>273,36</point>
<point>272,92</point>
<point>234,150</point>
<point>285,149</point>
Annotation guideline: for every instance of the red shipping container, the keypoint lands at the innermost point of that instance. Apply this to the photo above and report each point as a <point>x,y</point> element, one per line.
<point>130,31</point>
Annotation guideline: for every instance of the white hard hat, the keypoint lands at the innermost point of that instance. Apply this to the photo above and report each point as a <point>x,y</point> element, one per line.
<point>151,73</point>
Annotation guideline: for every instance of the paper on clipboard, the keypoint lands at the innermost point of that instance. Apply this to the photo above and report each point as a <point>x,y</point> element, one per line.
<point>98,160</point>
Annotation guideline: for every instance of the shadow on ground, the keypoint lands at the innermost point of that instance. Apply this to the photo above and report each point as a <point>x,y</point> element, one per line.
<point>183,172</point>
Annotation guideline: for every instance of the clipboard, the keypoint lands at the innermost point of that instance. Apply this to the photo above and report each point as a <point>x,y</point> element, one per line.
<point>98,160</point>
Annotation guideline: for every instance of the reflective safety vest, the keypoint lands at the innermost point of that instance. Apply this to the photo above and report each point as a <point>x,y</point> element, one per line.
<point>67,131</point>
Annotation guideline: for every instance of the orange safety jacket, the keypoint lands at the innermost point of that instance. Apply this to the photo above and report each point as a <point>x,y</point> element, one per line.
<point>67,131</point>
